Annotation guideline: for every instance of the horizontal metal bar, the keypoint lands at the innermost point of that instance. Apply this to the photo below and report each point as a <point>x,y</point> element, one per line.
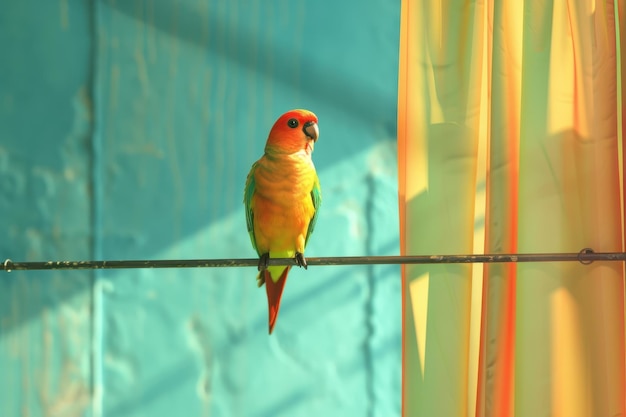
<point>585,256</point>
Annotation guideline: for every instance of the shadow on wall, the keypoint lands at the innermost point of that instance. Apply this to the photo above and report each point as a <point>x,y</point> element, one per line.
<point>298,53</point>
<point>142,206</point>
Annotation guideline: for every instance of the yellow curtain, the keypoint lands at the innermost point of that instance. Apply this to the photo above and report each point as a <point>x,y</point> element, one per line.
<point>510,141</point>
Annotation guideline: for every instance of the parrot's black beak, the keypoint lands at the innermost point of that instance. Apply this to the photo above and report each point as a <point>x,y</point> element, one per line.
<point>311,130</point>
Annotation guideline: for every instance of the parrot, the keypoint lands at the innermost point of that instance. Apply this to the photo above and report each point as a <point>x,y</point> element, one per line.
<point>282,198</point>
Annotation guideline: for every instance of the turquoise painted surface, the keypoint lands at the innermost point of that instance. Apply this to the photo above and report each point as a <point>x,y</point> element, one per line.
<point>127,130</point>
<point>45,207</point>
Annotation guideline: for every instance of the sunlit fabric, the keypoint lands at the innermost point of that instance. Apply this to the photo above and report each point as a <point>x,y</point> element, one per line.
<point>510,141</point>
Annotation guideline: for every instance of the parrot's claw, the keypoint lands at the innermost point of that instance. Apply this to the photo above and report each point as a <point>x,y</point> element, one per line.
<point>264,261</point>
<point>300,261</point>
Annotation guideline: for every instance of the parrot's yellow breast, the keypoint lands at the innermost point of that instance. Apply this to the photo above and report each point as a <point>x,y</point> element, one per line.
<point>282,204</point>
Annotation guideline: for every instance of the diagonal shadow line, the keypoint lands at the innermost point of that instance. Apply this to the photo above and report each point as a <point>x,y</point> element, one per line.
<point>328,285</point>
<point>266,56</point>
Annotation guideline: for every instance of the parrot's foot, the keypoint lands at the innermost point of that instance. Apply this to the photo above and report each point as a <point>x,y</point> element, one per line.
<point>264,261</point>
<point>300,261</point>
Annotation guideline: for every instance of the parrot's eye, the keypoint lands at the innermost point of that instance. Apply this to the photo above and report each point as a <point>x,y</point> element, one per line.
<point>292,123</point>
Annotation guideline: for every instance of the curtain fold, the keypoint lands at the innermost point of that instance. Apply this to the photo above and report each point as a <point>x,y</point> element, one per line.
<point>533,89</point>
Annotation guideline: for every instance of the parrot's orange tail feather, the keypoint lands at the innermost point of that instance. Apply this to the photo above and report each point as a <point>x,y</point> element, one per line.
<point>274,294</point>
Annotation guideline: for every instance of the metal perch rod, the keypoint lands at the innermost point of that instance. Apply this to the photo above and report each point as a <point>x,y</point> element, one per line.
<point>585,256</point>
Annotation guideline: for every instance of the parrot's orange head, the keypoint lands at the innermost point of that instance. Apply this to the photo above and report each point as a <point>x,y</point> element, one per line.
<point>293,132</point>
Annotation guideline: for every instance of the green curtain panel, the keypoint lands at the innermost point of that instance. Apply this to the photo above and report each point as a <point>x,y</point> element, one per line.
<point>510,141</point>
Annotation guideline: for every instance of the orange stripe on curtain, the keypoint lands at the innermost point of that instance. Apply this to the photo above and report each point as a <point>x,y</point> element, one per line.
<point>534,90</point>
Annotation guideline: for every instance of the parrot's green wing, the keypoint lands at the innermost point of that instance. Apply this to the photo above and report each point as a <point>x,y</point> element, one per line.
<point>247,200</point>
<point>316,195</point>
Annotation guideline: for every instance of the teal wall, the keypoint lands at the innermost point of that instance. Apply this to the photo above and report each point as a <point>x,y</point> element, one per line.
<point>126,131</point>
